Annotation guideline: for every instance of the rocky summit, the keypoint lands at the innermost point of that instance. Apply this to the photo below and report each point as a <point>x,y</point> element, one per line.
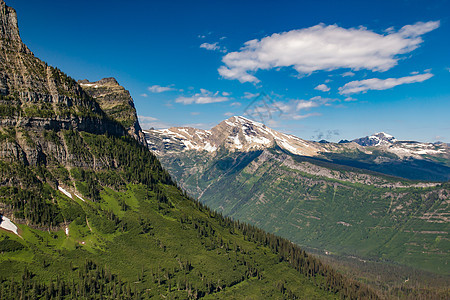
<point>240,134</point>
<point>116,101</point>
<point>234,134</point>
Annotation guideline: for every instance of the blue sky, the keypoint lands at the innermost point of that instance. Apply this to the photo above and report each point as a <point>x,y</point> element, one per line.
<point>325,69</point>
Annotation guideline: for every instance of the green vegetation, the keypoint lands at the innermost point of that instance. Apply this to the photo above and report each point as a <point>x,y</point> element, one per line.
<point>137,235</point>
<point>404,225</point>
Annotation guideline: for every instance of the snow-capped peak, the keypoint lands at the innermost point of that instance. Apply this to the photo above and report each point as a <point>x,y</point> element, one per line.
<point>235,134</point>
<point>376,139</point>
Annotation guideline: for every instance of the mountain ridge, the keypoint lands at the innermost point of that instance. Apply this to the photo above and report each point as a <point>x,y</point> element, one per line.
<point>380,152</point>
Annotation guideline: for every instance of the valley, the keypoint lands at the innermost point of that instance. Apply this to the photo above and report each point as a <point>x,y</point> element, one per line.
<point>332,208</point>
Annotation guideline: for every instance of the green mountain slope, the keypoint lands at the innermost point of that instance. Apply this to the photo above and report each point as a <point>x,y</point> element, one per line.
<point>87,212</point>
<point>331,208</point>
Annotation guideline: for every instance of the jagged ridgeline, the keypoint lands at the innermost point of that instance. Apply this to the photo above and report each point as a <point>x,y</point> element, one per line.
<point>87,212</point>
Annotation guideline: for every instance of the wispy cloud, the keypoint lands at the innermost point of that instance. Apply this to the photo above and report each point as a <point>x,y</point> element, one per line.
<point>348,74</point>
<point>146,118</point>
<point>148,122</point>
<point>328,134</point>
<point>322,87</point>
<point>361,86</point>
<point>213,47</point>
<point>144,95</point>
<point>300,117</point>
<point>292,109</point>
<point>248,95</point>
<point>204,97</point>
<point>161,89</point>
<point>324,48</point>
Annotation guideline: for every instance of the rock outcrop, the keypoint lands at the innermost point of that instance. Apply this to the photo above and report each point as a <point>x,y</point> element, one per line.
<point>116,101</point>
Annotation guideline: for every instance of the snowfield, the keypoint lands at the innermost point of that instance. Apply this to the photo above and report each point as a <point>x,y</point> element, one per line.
<point>65,192</point>
<point>8,225</point>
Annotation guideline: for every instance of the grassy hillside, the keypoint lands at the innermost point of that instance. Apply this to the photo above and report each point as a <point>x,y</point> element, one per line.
<point>128,231</point>
<point>331,208</point>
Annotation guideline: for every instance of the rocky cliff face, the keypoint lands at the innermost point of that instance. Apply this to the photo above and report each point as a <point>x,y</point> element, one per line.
<point>35,95</point>
<point>116,101</point>
<point>40,106</point>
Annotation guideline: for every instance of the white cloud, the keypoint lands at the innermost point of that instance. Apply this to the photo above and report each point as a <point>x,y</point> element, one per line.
<point>204,97</point>
<point>228,114</point>
<point>209,46</point>
<point>300,117</point>
<point>213,47</point>
<point>236,104</point>
<point>324,48</point>
<point>146,118</point>
<point>160,89</point>
<point>348,74</point>
<point>144,95</point>
<point>248,95</point>
<point>292,109</point>
<point>359,86</point>
<point>147,122</point>
<point>322,87</point>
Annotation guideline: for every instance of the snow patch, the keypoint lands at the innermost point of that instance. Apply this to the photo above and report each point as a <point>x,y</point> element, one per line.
<point>65,192</point>
<point>79,197</point>
<point>90,85</point>
<point>257,140</point>
<point>236,141</point>
<point>8,225</point>
<point>210,148</point>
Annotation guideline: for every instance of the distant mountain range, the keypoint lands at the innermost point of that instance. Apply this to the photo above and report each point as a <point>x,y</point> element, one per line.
<point>375,198</point>
<point>379,152</point>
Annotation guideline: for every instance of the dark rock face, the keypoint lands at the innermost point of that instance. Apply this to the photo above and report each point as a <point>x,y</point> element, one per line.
<point>33,94</point>
<point>36,99</point>
<point>9,28</point>
<point>116,101</point>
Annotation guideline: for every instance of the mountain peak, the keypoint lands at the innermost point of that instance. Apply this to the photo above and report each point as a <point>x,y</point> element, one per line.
<point>376,139</point>
<point>8,23</point>
<point>9,29</point>
<point>116,101</point>
<point>236,133</point>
